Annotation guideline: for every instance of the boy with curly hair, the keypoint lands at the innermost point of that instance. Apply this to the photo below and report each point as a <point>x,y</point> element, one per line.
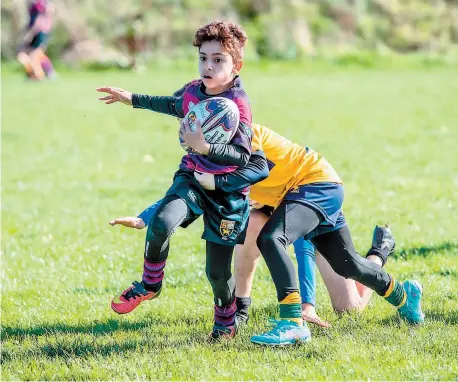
<point>226,211</point>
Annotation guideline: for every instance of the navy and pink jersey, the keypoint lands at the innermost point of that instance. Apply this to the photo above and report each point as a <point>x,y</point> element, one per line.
<point>39,17</point>
<point>191,94</point>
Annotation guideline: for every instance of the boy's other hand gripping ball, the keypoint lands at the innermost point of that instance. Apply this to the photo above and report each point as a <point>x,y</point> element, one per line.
<point>219,118</point>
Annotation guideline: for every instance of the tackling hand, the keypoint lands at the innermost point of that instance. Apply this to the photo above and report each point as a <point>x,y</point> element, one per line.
<point>129,221</point>
<point>207,181</point>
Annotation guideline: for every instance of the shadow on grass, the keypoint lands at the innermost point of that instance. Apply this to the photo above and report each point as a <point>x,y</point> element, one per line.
<point>68,348</point>
<point>425,251</point>
<point>449,318</point>
<point>97,327</point>
<point>94,339</point>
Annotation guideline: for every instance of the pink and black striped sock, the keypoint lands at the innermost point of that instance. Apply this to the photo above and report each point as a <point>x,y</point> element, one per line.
<point>225,315</point>
<point>47,66</point>
<point>153,273</point>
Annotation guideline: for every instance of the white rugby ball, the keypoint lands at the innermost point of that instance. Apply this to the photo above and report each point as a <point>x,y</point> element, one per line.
<point>219,118</point>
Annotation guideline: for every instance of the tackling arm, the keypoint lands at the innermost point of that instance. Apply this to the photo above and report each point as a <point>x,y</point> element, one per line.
<point>255,171</point>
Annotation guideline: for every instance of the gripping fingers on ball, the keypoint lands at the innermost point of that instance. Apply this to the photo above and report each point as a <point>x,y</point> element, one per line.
<point>197,125</point>
<point>189,128</point>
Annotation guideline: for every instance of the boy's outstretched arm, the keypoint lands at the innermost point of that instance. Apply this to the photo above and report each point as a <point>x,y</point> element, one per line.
<point>169,105</point>
<point>230,154</point>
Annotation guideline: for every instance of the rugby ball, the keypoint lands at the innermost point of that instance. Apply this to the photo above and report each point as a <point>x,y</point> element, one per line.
<point>219,118</point>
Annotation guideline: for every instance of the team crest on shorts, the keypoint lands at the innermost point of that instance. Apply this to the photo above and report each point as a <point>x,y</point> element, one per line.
<point>226,228</point>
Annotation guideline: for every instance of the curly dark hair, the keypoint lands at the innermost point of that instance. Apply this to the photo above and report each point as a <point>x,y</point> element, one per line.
<point>231,37</point>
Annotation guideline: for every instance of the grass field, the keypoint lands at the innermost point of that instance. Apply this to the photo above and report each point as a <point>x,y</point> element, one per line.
<point>70,163</point>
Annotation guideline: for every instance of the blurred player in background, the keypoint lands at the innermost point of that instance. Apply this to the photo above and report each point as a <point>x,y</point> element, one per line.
<point>32,53</point>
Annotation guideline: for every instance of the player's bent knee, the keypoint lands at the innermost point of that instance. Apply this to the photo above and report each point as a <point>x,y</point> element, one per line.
<point>215,276</point>
<point>157,242</point>
<point>22,57</point>
<point>264,240</point>
<point>350,269</point>
<point>268,240</point>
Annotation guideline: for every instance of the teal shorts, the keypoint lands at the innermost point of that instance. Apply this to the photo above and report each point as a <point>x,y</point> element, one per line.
<point>225,214</point>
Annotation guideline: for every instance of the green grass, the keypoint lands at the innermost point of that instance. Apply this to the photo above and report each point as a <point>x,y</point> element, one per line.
<point>69,164</point>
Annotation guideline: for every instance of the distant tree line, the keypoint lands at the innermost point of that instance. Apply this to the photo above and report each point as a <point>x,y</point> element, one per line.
<point>101,30</point>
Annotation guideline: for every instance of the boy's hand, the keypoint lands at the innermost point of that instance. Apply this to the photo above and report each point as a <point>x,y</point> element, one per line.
<point>116,95</point>
<point>195,138</point>
<point>207,181</point>
<point>129,221</point>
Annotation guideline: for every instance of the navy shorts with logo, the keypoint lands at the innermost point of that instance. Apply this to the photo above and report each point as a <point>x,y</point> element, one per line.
<point>327,199</point>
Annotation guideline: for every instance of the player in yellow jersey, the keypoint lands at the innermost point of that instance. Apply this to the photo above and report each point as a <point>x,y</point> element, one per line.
<point>307,195</point>
<point>292,166</point>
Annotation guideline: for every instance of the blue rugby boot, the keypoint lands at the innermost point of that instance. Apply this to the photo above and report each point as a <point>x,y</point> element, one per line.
<point>411,310</point>
<point>284,333</point>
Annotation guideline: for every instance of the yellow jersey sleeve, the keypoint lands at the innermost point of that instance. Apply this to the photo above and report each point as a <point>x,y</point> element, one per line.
<point>256,141</point>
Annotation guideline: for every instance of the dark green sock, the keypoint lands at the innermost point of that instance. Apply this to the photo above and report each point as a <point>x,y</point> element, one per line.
<point>396,295</point>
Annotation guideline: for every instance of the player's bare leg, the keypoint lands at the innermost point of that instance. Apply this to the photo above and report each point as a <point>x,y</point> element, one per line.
<point>247,255</point>
<point>35,62</point>
<point>347,294</point>
<point>343,292</point>
<point>24,59</point>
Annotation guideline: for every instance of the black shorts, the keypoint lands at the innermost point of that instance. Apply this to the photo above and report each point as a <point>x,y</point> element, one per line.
<point>225,214</point>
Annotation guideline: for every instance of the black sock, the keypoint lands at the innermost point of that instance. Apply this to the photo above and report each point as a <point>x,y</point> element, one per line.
<point>243,305</point>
